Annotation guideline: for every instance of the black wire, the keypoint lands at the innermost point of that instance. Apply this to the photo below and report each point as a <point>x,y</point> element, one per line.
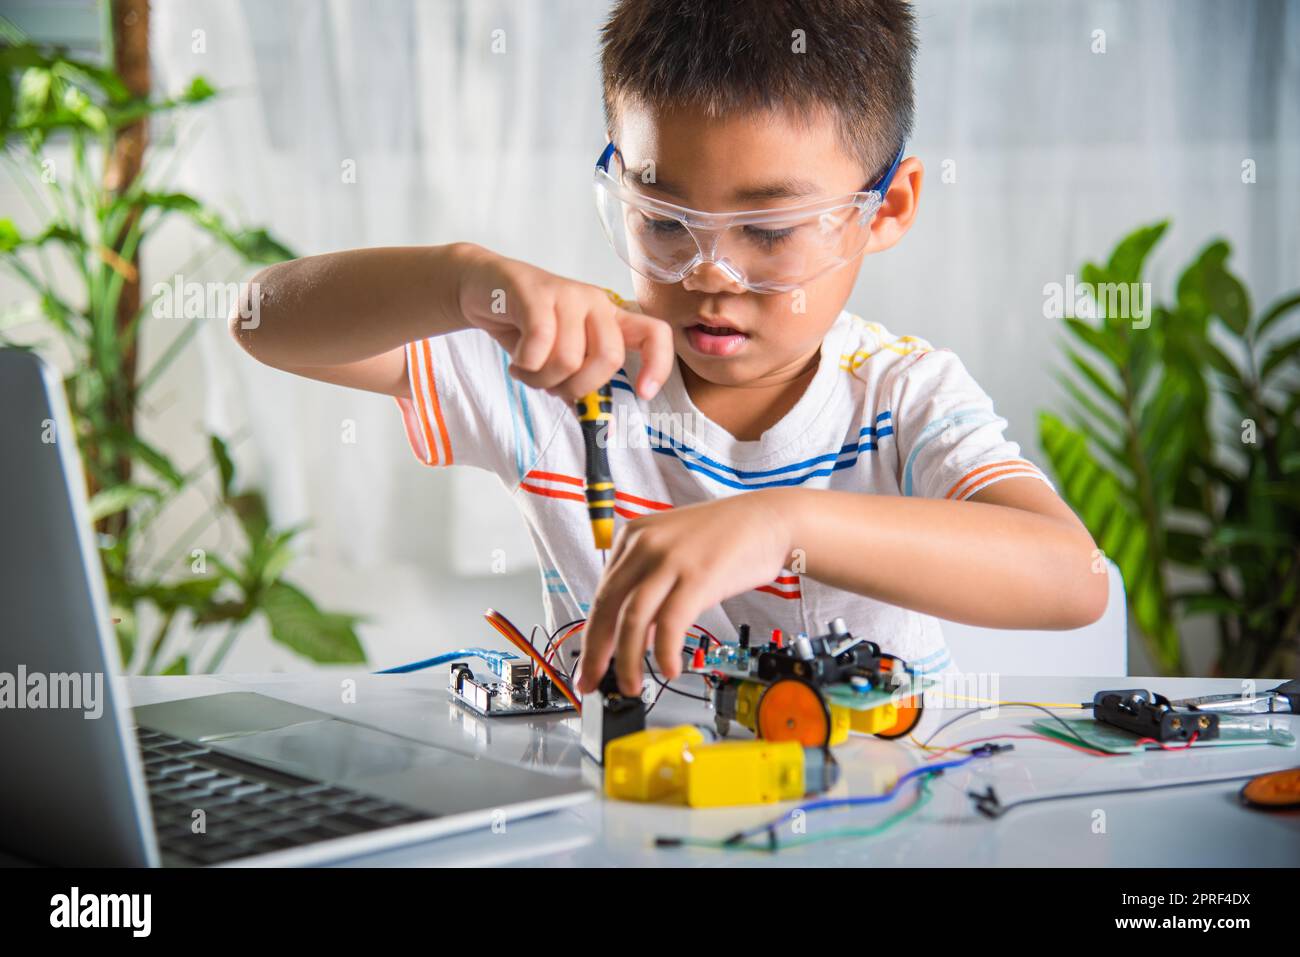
<point>665,686</point>
<point>1014,704</point>
<point>550,639</point>
<point>565,627</point>
<point>651,706</point>
<point>989,805</point>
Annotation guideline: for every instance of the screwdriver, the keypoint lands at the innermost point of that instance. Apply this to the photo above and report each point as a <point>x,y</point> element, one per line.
<point>595,410</point>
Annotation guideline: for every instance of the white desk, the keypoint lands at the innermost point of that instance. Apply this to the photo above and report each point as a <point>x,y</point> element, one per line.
<point>1184,827</point>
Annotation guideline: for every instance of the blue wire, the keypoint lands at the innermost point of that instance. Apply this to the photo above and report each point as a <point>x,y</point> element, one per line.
<point>881,798</point>
<point>486,654</point>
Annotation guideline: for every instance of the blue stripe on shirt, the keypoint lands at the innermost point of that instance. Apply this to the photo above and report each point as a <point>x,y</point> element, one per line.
<point>695,462</point>
<point>516,398</point>
<point>934,429</point>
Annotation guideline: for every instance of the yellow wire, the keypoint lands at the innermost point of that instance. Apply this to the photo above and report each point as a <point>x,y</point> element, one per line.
<point>1040,704</point>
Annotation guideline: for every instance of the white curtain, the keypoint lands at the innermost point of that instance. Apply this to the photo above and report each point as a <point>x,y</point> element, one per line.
<point>480,120</point>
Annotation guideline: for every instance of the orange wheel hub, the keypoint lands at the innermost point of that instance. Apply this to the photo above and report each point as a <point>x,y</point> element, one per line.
<point>909,713</point>
<point>792,710</point>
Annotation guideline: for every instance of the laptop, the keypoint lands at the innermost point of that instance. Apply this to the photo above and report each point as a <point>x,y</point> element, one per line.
<point>223,779</point>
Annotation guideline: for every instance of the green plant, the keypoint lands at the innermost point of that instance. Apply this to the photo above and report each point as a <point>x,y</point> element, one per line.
<point>1182,455</point>
<point>97,217</point>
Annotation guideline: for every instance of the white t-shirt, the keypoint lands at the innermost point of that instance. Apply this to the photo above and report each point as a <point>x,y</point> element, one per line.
<point>884,415</point>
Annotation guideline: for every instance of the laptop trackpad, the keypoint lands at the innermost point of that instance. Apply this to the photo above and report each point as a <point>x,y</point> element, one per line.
<point>212,717</point>
<point>421,776</point>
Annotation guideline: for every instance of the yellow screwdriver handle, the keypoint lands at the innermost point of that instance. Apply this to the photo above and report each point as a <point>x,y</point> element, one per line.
<point>595,410</point>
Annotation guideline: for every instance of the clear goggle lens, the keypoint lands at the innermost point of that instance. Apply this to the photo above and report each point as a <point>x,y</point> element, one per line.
<point>766,251</point>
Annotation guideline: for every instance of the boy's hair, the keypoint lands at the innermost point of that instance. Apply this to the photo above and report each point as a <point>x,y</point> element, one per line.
<point>728,55</point>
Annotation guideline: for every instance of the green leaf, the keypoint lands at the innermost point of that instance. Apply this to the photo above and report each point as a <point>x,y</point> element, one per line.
<point>6,102</point>
<point>1207,287</point>
<point>110,501</point>
<point>156,460</point>
<point>270,556</point>
<point>250,509</point>
<point>1129,257</point>
<point>296,623</point>
<point>198,91</point>
<point>1101,419</point>
<point>1099,381</point>
<point>10,238</point>
<point>1217,359</point>
<point>1230,301</point>
<point>1107,346</point>
<point>196,593</point>
<point>225,466</point>
<point>1104,506</point>
<point>1278,358</point>
<point>259,246</point>
<point>181,666</point>
<point>1276,312</point>
<point>1233,535</point>
<point>255,245</point>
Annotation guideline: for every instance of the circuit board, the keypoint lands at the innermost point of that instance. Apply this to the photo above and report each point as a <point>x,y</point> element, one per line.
<point>513,688</point>
<point>1119,741</point>
<point>846,696</point>
<point>740,663</point>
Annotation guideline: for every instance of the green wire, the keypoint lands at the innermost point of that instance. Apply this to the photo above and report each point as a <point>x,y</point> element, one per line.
<point>923,796</point>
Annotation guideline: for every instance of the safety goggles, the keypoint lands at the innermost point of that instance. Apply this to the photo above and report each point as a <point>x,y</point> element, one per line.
<point>764,250</point>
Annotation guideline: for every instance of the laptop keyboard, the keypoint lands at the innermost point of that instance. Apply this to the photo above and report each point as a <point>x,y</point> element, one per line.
<point>247,808</point>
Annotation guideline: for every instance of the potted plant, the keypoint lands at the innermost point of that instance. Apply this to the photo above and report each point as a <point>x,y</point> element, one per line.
<point>1180,451</point>
<point>97,215</point>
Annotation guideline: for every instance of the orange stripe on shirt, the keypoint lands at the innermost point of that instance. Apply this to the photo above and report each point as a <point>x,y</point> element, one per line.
<point>554,477</point>
<point>417,377</point>
<point>573,497</point>
<point>984,468</point>
<point>1027,472</point>
<point>637,500</point>
<point>437,407</point>
<point>621,496</point>
<point>553,492</point>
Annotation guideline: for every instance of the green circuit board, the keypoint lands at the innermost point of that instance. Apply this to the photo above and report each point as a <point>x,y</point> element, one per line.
<point>1119,741</point>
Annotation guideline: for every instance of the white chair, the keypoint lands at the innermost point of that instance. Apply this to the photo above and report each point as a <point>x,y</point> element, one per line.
<point>1099,649</point>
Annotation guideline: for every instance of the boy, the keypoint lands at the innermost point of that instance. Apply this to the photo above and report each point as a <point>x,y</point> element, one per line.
<point>820,466</point>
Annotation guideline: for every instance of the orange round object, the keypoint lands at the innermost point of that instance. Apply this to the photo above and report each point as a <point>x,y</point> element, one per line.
<point>1278,789</point>
<point>792,710</point>
<point>909,715</point>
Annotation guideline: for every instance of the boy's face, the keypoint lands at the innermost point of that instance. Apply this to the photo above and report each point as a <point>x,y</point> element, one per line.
<point>724,333</point>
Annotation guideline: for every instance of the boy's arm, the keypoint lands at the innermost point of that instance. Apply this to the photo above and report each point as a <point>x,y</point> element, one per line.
<point>1012,556</point>
<point>345,318</point>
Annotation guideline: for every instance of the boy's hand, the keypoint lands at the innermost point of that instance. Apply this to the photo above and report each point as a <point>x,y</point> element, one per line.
<point>667,568</point>
<point>564,337</point>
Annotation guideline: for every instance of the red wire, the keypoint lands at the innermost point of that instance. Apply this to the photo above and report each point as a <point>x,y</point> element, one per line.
<point>1061,741</point>
<point>573,630</point>
<point>555,648</point>
<point>709,634</point>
